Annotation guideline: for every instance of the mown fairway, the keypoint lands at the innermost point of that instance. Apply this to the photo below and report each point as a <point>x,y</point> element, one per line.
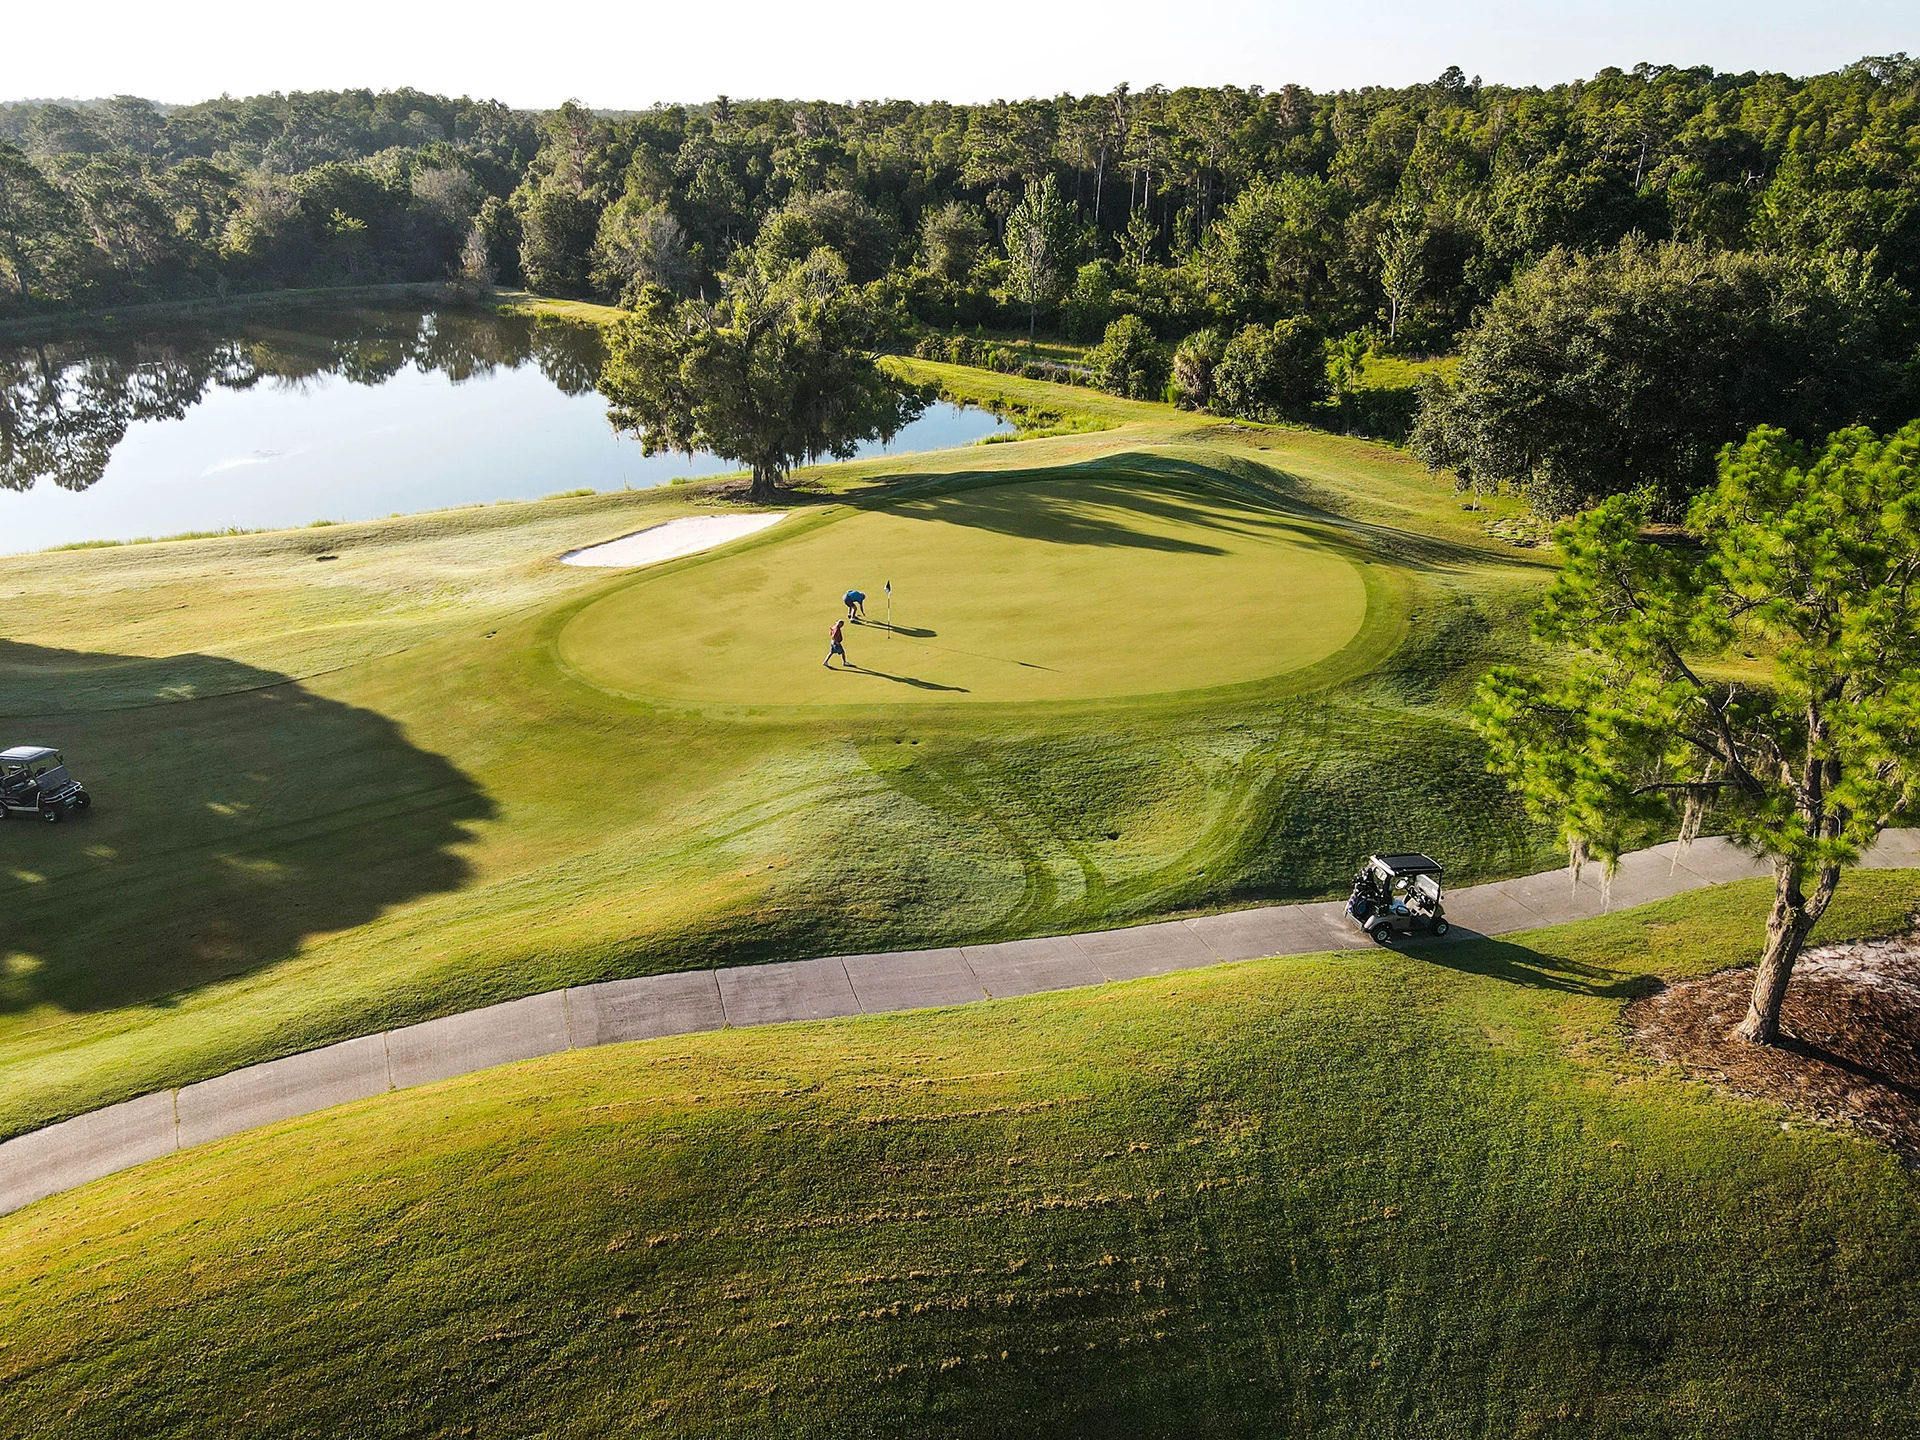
<point>1117,578</point>
<point>1420,1194</point>
<point>359,775</point>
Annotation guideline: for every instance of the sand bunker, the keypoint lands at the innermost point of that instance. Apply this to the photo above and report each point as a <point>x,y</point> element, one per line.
<point>670,541</point>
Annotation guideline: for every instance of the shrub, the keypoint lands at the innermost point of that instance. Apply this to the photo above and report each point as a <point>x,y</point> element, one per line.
<point>1129,361</point>
<point>1272,372</point>
<point>1193,364</point>
<point>931,347</point>
<point>1381,413</point>
<point>1089,308</point>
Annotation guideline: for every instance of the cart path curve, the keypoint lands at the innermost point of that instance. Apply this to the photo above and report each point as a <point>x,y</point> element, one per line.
<point>60,1157</point>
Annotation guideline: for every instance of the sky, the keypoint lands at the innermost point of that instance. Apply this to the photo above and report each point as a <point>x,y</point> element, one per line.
<point>627,54</point>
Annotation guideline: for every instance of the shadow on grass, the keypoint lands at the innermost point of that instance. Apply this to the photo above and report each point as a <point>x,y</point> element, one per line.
<point>911,632</point>
<point>1112,499</point>
<point>1094,503</point>
<point>1299,495</point>
<point>1521,965</point>
<point>914,681</point>
<point>225,832</point>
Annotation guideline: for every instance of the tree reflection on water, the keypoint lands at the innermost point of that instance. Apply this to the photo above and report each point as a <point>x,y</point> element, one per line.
<point>65,406</point>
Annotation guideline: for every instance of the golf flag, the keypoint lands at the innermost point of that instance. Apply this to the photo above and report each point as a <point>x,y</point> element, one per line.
<point>889,589</point>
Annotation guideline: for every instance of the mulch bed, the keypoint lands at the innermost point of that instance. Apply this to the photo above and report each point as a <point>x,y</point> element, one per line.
<point>1850,1038</point>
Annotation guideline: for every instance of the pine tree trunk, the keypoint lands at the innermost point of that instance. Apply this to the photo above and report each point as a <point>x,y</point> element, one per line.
<point>1793,916</point>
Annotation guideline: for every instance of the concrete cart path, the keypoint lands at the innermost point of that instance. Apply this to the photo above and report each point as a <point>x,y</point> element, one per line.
<point>90,1146</point>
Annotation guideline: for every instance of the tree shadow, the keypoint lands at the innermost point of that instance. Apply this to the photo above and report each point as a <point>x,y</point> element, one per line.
<point>225,831</point>
<point>1298,495</point>
<point>1474,954</point>
<point>1107,500</point>
<point>1866,1074</point>
<point>1101,502</point>
<point>1182,488</point>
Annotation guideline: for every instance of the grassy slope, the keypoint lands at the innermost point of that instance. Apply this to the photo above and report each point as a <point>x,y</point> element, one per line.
<point>386,800</point>
<point>1392,1194</point>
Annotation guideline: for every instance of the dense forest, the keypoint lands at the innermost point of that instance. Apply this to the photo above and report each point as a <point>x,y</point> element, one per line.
<point>1225,243</point>
<point>123,200</point>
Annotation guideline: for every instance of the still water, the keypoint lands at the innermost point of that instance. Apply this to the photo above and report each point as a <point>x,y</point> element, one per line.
<point>340,416</point>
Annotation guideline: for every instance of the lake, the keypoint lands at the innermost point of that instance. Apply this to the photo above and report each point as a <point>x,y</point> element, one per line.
<point>342,415</point>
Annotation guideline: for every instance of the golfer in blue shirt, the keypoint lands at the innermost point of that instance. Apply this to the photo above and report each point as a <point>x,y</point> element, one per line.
<point>856,602</point>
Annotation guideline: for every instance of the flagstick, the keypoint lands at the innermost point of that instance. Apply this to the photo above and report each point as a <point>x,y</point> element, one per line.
<point>889,609</point>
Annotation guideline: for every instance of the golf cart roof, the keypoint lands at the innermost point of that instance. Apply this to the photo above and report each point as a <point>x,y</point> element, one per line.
<point>1413,863</point>
<point>22,754</point>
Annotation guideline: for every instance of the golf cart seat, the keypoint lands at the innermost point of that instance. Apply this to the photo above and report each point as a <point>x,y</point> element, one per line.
<point>1398,894</point>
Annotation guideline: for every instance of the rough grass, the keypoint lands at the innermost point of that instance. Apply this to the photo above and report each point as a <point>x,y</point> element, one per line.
<point>1386,1194</point>
<point>1397,372</point>
<point>336,794</point>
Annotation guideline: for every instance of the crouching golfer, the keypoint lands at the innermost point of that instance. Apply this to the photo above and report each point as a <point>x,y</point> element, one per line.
<point>837,646</point>
<point>856,603</point>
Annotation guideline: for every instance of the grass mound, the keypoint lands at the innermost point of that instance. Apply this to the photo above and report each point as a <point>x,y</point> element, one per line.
<point>348,779</point>
<point>1383,1194</point>
<point>1097,582</point>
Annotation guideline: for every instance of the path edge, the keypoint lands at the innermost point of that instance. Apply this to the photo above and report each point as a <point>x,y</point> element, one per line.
<point>91,1146</point>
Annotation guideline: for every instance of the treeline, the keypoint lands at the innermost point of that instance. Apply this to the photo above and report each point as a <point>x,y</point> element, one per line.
<point>124,201</point>
<point>1243,228</point>
<point>1638,267</point>
<point>1206,204</point>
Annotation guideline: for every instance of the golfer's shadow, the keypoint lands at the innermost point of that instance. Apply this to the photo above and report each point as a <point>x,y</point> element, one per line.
<point>908,680</point>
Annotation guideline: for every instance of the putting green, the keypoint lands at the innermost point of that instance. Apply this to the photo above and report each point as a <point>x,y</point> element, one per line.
<point>1074,588</point>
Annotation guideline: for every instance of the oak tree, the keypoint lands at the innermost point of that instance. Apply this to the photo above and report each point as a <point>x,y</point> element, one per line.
<point>776,372</point>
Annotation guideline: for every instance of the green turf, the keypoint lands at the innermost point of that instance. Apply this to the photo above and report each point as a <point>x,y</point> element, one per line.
<point>340,795</point>
<point>1095,584</point>
<point>1420,1194</point>
<point>1393,372</point>
<point>1395,1194</point>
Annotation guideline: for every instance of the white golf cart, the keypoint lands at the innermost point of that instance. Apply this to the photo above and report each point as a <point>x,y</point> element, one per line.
<point>35,785</point>
<point>1398,895</point>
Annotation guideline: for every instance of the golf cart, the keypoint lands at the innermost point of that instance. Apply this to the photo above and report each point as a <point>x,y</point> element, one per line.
<point>34,782</point>
<point>1398,895</point>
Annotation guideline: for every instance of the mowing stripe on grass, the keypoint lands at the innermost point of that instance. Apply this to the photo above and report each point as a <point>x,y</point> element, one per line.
<point>88,1147</point>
